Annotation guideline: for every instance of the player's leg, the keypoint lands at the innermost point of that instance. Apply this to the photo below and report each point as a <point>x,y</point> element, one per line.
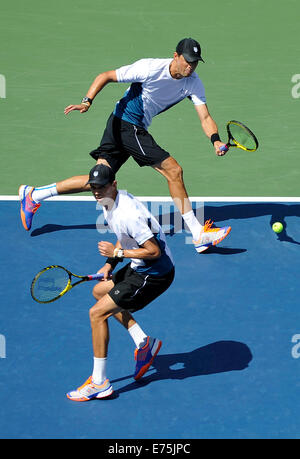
<point>31,197</point>
<point>98,385</point>
<point>107,153</point>
<point>75,184</point>
<point>172,171</point>
<point>102,288</point>
<point>99,313</point>
<point>146,152</point>
<point>133,291</point>
<point>146,347</point>
<point>134,329</point>
<point>123,317</point>
<point>205,235</point>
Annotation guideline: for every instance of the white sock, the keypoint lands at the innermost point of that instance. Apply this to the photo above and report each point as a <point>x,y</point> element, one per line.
<point>193,224</point>
<point>99,370</point>
<point>44,192</point>
<point>138,336</point>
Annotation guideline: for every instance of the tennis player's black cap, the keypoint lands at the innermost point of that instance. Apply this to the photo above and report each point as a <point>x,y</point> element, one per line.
<point>190,49</point>
<point>101,175</point>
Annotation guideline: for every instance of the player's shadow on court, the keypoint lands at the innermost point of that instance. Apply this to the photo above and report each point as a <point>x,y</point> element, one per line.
<point>51,228</point>
<point>218,357</point>
<point>236,211</point>
<point>278,212</point>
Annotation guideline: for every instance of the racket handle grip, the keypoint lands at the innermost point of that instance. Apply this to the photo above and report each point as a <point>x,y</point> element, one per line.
<point>224,148</point>
<point>97,276</point>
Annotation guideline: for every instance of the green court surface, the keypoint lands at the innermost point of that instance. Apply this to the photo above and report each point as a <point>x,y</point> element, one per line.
<point>51,51</point>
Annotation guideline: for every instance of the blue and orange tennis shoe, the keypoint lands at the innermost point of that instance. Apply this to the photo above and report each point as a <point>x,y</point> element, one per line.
<point>145,355</point>
<point>89,390</point>
<point>28,205</point>
<point>210,236</point>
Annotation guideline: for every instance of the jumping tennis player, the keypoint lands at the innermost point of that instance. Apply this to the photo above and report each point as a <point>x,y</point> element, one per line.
<point>149,274</point>
<point>156,86</point>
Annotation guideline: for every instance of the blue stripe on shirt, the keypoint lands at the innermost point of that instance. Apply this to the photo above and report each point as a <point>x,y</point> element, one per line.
<point>130,108</point>
<point>158,267</point>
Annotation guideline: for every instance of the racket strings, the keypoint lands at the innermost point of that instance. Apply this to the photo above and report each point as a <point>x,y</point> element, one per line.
<point>50,284</point>
<point>242,136</point>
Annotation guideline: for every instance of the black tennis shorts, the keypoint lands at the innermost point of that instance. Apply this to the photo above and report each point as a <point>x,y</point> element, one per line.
<point>122,139</point>
<point>133,291</point>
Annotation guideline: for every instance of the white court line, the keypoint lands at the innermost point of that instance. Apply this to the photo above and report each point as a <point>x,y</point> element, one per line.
<point>169,199</point>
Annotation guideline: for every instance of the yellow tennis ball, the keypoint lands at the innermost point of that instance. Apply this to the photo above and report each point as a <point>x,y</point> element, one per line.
<point>277,227</point>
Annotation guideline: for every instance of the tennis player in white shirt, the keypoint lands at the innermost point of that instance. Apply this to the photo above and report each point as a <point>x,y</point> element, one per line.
<point>156,85</point>
<point>149,273</point>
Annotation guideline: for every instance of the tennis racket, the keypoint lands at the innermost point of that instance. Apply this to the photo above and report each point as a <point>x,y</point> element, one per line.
<point>240,136</point>
<point>53,282</point>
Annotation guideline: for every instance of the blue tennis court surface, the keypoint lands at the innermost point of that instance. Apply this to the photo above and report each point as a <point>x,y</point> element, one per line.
<point>230,326</point>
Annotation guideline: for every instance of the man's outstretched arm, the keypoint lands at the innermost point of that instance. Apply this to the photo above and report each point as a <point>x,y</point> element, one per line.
<point>209,126</point>
<point>98,84</point>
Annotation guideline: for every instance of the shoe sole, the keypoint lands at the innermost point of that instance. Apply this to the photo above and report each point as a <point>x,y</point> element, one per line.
<point>145,368</point>
<point>106,393</point>
<point>21,197</point>
<point>202,248</point>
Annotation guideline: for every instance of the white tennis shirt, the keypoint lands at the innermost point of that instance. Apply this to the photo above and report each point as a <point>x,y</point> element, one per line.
<point>133,225</point>
<point>154,90</point>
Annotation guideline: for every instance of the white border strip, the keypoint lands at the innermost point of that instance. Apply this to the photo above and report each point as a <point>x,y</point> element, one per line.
<point>169,199</point>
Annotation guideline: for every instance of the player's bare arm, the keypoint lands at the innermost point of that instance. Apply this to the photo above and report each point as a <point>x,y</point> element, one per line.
<point>98,84</point>
<point>209,126</point>
<point>108,268</point>
<point>148,251</point>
